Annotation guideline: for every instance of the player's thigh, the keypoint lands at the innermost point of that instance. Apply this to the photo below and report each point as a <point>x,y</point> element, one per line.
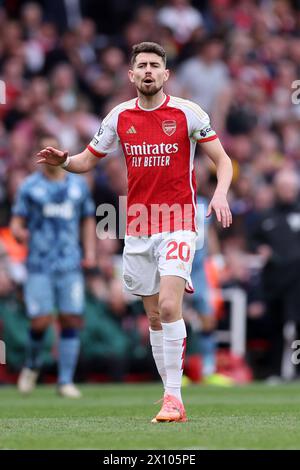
<point>175,254</point>
<point>70,292</point>
<point>39,295</point>
<point>140,271</point>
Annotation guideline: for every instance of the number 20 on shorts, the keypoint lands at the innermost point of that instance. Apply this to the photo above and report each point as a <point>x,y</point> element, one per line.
<point>178,250</point>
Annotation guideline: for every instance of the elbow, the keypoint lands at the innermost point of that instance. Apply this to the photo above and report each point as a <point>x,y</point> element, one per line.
<point>229,163</point>
<point>228,159</point>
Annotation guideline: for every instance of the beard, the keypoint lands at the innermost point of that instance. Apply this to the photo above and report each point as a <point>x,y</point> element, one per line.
<point>149,91</point>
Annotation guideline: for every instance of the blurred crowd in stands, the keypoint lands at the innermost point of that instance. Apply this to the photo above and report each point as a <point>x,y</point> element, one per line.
<point>64,65</point>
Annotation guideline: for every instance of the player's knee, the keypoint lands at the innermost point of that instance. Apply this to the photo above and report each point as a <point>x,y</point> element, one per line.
<point>154,320</point>
<point>168,310</point>
<point>40,324</point>
<point>71,321</point>
<point>208,323</point>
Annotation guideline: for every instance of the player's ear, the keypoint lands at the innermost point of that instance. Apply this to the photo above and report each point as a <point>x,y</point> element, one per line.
<point>130,75</point>
<point>167,74</point>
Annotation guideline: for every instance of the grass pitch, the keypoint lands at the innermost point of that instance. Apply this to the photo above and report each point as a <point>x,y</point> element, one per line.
<point>118,417</point>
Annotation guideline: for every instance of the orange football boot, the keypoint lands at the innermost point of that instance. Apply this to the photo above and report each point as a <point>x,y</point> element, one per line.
<point>172,410</point>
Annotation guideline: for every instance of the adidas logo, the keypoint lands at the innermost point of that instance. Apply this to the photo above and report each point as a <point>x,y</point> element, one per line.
<point>131,130</point>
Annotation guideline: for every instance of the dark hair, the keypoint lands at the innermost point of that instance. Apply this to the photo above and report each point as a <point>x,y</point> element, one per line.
<point>148,47</point>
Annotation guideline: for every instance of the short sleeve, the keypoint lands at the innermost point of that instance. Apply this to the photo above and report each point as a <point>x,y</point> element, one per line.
<point>106,138</point>
<point>200,127</point>
<point>21,204</point>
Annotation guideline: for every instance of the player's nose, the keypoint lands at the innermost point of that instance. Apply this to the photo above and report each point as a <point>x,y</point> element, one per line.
<point>148,75</point>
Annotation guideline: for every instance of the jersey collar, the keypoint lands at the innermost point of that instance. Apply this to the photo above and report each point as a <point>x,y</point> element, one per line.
<point>161,105</point>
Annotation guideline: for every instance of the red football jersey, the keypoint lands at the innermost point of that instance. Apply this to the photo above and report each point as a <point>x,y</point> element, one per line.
<point>159,147</point>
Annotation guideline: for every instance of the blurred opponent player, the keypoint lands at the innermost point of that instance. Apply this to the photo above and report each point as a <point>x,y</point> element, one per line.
<point>158,135</point>
<point>50,211</point>
<point>201,300</point>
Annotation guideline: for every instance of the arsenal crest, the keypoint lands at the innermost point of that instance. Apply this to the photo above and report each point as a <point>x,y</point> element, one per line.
<point>169,127</point>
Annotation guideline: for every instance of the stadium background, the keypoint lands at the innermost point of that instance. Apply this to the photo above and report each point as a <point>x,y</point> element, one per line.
<point>64,65</point>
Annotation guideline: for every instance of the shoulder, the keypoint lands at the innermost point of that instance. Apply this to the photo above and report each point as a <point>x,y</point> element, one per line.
<point>187,106</point>
<point>30,181</point>
<point>115,112</point>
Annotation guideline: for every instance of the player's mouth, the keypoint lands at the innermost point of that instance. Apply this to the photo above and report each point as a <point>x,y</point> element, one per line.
<point>148,81</point>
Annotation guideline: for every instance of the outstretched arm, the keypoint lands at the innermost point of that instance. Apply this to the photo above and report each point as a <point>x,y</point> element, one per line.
<point>219,204</point>
<point>80,163</point>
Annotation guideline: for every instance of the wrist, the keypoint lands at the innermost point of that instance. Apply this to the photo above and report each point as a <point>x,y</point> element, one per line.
<point>66,162</point>
<point>221,192</point>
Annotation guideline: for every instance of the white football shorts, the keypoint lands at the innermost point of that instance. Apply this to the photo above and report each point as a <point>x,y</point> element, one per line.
<point>146,259</point>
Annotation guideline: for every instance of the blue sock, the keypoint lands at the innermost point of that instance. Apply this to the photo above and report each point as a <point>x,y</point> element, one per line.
<point>207,345</point>
<point>34,349</point>
<point>68,351</point>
